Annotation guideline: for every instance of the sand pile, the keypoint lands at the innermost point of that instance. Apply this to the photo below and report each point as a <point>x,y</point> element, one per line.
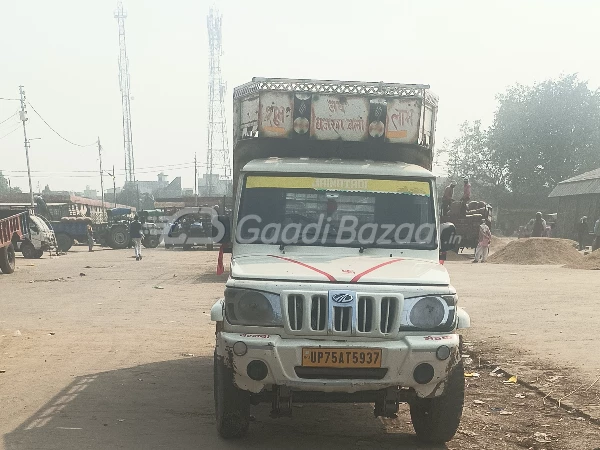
<point>590,261</point>
<point>499,242</point>
<point>538,251</point>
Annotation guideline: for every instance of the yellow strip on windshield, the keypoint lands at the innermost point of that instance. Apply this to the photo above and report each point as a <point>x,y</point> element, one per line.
<point>341,184</point>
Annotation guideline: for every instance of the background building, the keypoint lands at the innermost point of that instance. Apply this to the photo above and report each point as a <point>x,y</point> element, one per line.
<point>161,187</point>
<point>576,197</point>
<point>219,187</point>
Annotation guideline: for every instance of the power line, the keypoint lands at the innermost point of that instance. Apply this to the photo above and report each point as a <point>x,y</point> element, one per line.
<point>167,165</point>
<point>184,165</point>
<point>10,117</point>
<point>10,99</point>
<point>54,176</point>
<point>187,166</point>
<point>51,171</point>
<point>57,133</point>
<point>11,132</point>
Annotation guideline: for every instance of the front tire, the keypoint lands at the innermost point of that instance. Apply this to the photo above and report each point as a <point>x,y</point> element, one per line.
<point>151,241</point>
<point>7,259</point>
<point>64,242</point>
<point>436,420</point>
<point>28,250</point>
<point>232,405</point>
<point>118,237</point>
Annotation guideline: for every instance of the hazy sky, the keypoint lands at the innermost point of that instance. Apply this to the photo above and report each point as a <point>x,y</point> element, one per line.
<point>65,54</point>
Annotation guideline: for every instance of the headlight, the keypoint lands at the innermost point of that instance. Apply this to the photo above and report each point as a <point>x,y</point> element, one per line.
<point>433,312</point>
<point>245,307</point>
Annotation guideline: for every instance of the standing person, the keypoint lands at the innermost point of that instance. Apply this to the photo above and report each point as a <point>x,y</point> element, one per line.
<point>466,198</point>
<point>135,233</point>
<point>596,243</point>
<point>483,245</point>
<point>539,225</point>
<point>90,237</point>
<point>447,198</point>
<point>582,232</point>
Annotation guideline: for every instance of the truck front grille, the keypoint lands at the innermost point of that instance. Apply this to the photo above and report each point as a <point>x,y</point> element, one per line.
<point>318,312</point>
<point>389,311</point>
<point>365,314</point>
<point>295,311</point>
<point>341,318</point>
<point>370,315</point>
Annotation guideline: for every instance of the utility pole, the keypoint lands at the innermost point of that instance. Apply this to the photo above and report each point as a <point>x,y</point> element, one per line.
<point>196,179</point>
<point>101,178</point>
<point>137,187</point>
<point>114,186</point>
<point>23,117</point>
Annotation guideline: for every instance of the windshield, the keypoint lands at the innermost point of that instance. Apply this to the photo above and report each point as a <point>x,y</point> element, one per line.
<point>337,211</point>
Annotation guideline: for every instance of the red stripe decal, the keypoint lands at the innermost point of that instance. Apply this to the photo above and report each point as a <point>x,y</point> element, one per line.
<point>329,277</point>
<point>360,275</point>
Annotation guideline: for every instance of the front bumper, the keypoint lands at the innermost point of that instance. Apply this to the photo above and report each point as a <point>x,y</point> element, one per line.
<point>282,357</point>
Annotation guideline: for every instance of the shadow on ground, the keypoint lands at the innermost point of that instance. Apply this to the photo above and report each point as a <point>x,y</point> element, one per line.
<point>169,405</point>
<point>211,277</point>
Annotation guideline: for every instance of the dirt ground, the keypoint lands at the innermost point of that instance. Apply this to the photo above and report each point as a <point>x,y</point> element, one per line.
<point>99,351</point>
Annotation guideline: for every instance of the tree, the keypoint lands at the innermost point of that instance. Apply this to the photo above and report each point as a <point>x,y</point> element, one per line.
<point>469,156</point>
<point>128,196</point>
<point>3,184</point>
<point>541,135</point>
<point>544,134</point>
<point>5,187</point>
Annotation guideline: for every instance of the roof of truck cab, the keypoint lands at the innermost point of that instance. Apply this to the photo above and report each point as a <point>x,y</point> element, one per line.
<point>337,166</point>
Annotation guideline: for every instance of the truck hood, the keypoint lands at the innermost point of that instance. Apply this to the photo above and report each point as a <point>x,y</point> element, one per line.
<point>348,269</point>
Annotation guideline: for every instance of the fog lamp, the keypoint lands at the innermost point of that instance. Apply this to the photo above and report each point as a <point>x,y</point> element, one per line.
<point>257,370</point>
<point>240,348</point>
<point>423,373</point>
<point>443,352</point>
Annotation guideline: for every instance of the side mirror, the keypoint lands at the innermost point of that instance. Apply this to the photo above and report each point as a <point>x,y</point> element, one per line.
<point>221,233</point>
<point>447,237</point>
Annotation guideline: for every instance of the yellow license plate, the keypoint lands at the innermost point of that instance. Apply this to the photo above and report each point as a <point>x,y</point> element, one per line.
<point>342,358</point>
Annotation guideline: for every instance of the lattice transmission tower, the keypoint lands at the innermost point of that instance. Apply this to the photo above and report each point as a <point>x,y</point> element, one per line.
<point>121,15</point>
<point>217,155</point>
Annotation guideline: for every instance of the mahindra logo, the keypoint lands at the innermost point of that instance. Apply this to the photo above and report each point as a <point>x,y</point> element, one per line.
<point>341,298</point>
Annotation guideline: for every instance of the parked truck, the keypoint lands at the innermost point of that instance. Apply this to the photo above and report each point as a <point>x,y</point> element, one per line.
<point>14,227</point>
<point>467,221</point>
<point>336,291</point>
<point>38,240</point>
<point>114,233</point>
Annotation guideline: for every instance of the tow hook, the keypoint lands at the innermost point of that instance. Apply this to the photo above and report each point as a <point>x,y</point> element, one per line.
<point>387,404</point>
<point>282,402</point>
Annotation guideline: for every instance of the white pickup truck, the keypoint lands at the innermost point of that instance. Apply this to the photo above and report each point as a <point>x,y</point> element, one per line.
<point>337,293</point>
<point>40,239</point>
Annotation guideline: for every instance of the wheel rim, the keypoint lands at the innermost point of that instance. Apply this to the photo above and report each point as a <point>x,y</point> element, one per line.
<point>119,238</point>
